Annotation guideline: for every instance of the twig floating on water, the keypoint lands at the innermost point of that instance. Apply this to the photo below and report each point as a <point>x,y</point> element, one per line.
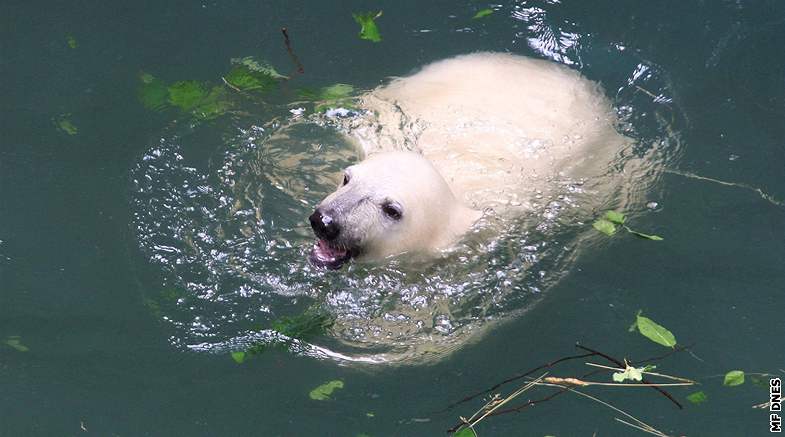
<point>298,65</point>
<point>620,364</point>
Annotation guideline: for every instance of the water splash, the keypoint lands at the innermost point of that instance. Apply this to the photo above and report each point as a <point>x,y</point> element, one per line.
<point>226,224</point>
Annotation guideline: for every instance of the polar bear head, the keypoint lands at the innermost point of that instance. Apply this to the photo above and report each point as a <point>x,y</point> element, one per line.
<point>388,204</point>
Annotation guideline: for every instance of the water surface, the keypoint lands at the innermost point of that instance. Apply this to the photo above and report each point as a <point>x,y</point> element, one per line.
<point>111,349</point>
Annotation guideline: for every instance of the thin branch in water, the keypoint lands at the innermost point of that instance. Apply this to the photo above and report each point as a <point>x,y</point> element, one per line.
<point>663,356</point>
<point>765,196</point>
<point>515,378</point>
<point>530,402</point>
<point>644,429</point>
<point>662,375</point>
<point>495,403</point>
<point>582,383</point>
<point>620,364</point>
<point>226,82</point>
<point>298,66</point>
<point>643,426</point>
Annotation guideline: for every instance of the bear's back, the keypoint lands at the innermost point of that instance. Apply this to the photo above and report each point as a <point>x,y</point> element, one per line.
<point>499,127</point>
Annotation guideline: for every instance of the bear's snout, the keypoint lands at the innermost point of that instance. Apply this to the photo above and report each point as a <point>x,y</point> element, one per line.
<point>324,226</point>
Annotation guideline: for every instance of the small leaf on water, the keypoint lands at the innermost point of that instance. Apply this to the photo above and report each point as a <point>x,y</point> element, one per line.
<point>734,378</point>
<point>697,398</point>
<point>335,96</point>
<point>759,382</point>
<point>368,28</point>
<point>336,91</point>
<point>465,432</point>
<point>370,414</point>
<point>655,332</point>
<point>259,66</point>
<point>186,94</point>
<point>153,93</point>
<point>64,124</point>
<point>631,373</point>
<point>15,342</point>
<point>308,93</point>
<point>71,41</point>
<point>238,357</point>
<point>615,217</point>
<point>323,392</point>
<point>215,104</point>
<point>309,324</point>
<point>482,13</point>
<point>605,227</point>
<point>245,79</point>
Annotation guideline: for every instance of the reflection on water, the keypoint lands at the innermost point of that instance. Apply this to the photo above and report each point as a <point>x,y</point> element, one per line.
<point>230,233</point>
<point>558,41</point>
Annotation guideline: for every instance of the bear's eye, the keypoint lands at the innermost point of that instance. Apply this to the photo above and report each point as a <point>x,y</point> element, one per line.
<point>346,178</point>
<point>391,210</point>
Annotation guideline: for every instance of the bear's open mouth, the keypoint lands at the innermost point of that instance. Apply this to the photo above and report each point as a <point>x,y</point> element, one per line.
<point>327,256</point>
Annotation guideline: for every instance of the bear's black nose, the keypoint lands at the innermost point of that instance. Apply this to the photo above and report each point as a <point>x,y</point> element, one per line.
<point>324,226</point>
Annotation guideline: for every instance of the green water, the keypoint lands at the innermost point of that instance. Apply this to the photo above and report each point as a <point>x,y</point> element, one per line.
<point>94,357</point>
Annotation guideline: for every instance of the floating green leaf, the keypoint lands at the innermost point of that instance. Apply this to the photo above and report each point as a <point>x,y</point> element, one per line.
<point>605,227</point>
<point>64,123</point>
<point>337,91</point>
<point>368,28</point>
<point>338,95</point>
<point>308,93</point>
<point>245,79</point>
<point>238,357</point>
<point>216,103</point>
<point>630,373</point>
<point>697,398</point>
<point>482,13</point>
<point>758,381</point>
<point>153,93</point>
<point>16,342</point>
<point>642,235</point>
<point>186,94</point>
<point>71,41</point>
<point>258,66</point>
<point>654,332</point>
<point>465,432</point>
<point>615,217</point>
<point>323,392</point>
<point>311,323</point>
<point>734,378</point>
<point>370,414</point>
<point>305,326</point>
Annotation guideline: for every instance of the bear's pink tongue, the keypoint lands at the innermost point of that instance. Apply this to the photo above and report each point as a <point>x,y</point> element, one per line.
<point>324,252</point>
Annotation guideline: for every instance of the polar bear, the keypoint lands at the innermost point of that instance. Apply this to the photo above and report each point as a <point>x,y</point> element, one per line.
<point>476,134</point>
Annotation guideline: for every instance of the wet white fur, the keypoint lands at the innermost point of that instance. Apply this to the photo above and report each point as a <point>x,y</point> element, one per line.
<point>498,128</point>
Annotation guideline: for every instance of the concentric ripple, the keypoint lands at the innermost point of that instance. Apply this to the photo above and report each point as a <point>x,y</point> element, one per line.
<point>223,217</point>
